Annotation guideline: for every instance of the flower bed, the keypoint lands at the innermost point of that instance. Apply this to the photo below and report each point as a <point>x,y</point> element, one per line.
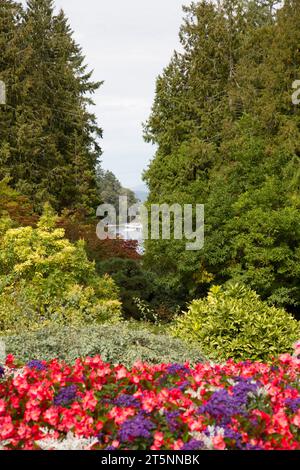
<point>93,405</point>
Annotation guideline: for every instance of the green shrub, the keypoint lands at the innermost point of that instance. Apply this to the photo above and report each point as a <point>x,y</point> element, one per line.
<point>132,281</point>
<point>232,322</point>
<point>46,279</point>
<point>121,343</point>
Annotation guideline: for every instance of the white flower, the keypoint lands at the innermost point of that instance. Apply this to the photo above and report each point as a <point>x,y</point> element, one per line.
<point>213,431</point>
<point>260,392</point>
<point>4,444</point>
<point>12,373</point>
<point>71,442</point>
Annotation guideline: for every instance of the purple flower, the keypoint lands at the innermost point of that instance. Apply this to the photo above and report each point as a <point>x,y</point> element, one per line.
<point>172,420</point>
<point>234,436</point>
<point>184,385</point>
<point>65,396</point>
<point>2,372</point>
<point>293,404</point>
<point>36,365</point>
<point>242,389</point>
<point>222,406</point>
<point>126,401</point>
<point>137,427</point>
<point>252,447</point>
<point>110,448</point>
<point>193,444</point>
<point>178,369</point>
<point>231,434</point>
<point>171,371</point>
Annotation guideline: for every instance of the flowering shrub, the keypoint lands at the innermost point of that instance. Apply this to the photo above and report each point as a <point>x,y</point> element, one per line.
<point>93,405</point>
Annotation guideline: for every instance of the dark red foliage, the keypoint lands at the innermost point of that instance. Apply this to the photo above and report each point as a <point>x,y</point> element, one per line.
<point>77,228</point>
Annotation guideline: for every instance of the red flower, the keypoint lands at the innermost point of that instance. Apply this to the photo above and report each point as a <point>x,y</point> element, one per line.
<point>2,406</point>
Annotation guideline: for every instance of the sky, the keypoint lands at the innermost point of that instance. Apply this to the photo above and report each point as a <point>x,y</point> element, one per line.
<point>127,44</point>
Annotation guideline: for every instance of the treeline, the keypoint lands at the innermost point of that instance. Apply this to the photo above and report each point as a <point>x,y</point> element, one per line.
<point>49,142</point>
<point>228,136</point>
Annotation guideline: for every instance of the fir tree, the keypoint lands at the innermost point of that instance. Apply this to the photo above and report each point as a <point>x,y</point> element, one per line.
<point>53,141</point>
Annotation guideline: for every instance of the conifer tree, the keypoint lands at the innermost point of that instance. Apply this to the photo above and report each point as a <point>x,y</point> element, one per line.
<point>54,137</point>
<point>10,47</point>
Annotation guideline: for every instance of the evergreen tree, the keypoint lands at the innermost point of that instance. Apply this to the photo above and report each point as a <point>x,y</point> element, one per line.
<point>53,143</point>
<point>10,71</point>
<point>110,189</point>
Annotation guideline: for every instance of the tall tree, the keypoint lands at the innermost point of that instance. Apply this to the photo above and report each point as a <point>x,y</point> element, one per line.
<point>10,71</point>
<point>54,137</point>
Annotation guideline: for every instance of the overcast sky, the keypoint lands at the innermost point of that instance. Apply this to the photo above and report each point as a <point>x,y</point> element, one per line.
<point>127,43</point>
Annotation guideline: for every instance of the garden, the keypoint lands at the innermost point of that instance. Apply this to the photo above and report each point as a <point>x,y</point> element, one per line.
<point>92,405</point>
<point>103,347</point>
<point>223,375</point>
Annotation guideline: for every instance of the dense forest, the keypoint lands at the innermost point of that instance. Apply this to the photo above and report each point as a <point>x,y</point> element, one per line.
<point>227,134</point>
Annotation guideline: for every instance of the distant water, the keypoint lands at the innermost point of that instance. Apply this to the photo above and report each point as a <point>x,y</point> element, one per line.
<point>129,232</point>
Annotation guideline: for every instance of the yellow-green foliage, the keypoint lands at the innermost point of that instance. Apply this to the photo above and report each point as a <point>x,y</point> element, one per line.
<point>234,323</point>
<point>44,278</point>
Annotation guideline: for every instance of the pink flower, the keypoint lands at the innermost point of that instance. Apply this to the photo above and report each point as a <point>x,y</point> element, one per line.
<point>196,424</point>
<point>121,373</point>
<point>10,359</point>
<point>21,384</point>
<point>51,416</point>
<point>33,414</point>
<point>89,401</point>
<point>219,443</point>
<point>178,444</point>
<point>296,420</point>
<point>158,440</point>
<point>120,415</point>
<point>285,358</point>
<point>280,419</point>
<point>6,428</point>
<point>24,431</point>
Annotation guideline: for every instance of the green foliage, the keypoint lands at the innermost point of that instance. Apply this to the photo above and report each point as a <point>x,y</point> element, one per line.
<point>123,343</point>
<point>233,322</point>
<point>142,294</point>
<point>132,281</point>
<point>228,137</point>
<point>146,313</point>
<point>44,278</point>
